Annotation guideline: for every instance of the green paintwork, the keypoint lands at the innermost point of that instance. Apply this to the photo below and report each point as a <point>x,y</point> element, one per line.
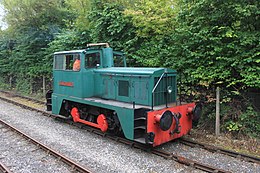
<point>141,83</point>
<point>108,82</point>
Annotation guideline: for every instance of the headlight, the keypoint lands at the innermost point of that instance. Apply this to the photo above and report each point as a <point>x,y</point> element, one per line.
<point>169,89</point>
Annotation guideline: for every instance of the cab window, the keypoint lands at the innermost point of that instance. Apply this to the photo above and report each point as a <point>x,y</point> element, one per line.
<point>119,60</point>
<point>92,60</point>
<point>67,62</point>
<point>59,63</point>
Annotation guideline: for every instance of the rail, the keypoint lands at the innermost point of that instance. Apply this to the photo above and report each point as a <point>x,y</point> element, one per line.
<point>54,153</point>
<point>212,148</point>
<point>4,168</point>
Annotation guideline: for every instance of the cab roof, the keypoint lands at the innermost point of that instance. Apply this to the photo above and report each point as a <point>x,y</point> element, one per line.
<point>70,52</point>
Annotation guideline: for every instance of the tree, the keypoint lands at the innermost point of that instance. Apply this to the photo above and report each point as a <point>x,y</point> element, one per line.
<point>32,25</point>
<point>217,42</point>
<point>154,22</point>
<point>109,24</point>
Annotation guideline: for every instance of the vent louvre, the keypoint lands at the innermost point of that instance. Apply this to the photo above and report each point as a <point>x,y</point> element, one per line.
<point>123,88</point>
<point>160,94</point>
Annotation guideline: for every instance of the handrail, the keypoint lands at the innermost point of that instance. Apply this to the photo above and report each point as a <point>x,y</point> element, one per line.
<point>164,73</point>
<point>154,88</point>
<point>97,44</point>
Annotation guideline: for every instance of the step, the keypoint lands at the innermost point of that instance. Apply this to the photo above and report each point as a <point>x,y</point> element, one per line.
<point>140,140</point>
<point>140,127</point>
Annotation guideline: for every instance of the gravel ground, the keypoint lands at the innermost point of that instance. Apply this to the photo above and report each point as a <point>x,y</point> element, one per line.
<point>23,156</point>
<point>90,150</point>
<point>215,159</point>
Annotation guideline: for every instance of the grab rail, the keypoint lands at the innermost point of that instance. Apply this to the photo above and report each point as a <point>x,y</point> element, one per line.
<point>156,85</point>
<point>154,88</point>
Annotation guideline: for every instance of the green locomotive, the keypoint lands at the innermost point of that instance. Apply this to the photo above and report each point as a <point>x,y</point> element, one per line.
<point>95,87</point>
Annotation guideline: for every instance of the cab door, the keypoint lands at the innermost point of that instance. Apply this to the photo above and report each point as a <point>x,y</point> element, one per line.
<point>67,81</point>
<point>91,82</point>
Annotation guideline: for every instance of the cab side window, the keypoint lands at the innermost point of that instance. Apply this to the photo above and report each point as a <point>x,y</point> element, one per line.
<point>92,60</point>
<point>59,63</point>
<point>118,60</point>
<point>67,62</point>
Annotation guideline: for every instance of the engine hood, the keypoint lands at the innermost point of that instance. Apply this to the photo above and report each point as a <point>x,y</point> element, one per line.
<point>134,71</point>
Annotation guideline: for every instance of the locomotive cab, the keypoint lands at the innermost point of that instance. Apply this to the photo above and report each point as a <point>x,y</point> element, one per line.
<point>79,82</point>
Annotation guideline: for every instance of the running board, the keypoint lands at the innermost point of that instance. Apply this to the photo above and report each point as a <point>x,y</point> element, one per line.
<point>63,117</point>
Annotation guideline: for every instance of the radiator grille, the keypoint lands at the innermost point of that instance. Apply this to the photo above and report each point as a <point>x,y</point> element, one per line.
<point>123,88</point>
<point>160,94</point>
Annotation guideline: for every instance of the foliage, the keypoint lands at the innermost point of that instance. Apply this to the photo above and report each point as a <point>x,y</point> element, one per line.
<point>217,42</point>
<point>78,9</point>
<point>24,85</point>
<point>108,24</point>
<point>233,126</point>
<point>154,21</point>
<point>24,13</point>
<point>3,84</point>
<point>237,114</point>
<point>153,17</point>
<point>249,120</point>
<point>32,26</point>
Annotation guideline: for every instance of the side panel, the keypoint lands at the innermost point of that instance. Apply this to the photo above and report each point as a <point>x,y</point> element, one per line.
<point>126,118</point>
<point>67,83</point>
<point>109,89</point>
<point>140,90</point>
<point>56,103</point>
<point>125,88</point>
<point>87,83</point>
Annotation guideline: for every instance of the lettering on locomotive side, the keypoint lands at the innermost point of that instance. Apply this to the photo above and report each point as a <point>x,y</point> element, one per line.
<point>69,84</point>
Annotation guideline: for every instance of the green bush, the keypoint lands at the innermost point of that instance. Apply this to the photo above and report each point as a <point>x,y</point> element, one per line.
<point>23,85</point>
<point>3,84</point>
<point>250,121</point>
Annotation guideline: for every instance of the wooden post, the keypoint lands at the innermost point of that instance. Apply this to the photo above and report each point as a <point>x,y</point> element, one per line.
<point>10,82</point>
<point>43,86</point>
<point>31,86</point>
<point>217,131</point>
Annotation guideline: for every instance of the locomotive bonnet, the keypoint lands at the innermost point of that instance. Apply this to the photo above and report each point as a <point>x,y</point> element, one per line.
<point>95,87</point>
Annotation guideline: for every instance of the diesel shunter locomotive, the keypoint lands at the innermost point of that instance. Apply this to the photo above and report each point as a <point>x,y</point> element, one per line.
<point>95,87</point>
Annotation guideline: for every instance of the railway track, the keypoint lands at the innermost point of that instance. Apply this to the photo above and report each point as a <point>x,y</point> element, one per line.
<point>167,155</point>
<point>75,166</point>
<point>4,169</point>
<point>24,97</point>
<point>212,148</point>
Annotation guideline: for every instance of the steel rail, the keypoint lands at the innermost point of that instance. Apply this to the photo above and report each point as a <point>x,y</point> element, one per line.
<point>4,168</point>
<point>24,97</point>
<point>133,144</point>
<point>211,148</point>
<point>73,164</point>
